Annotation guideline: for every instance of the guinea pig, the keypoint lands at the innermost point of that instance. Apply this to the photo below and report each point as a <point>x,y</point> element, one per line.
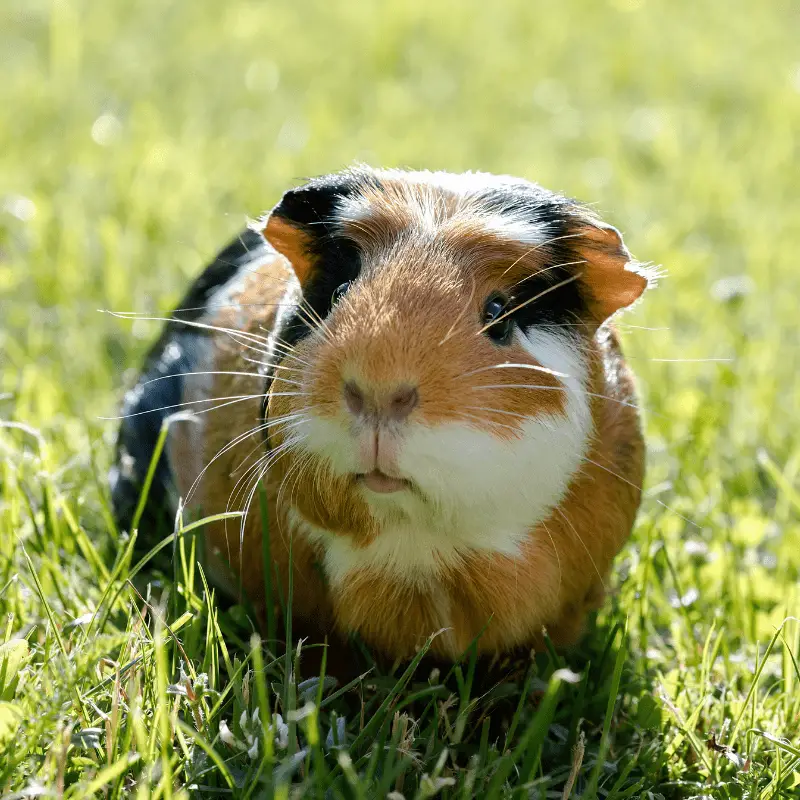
<point>417,370</point>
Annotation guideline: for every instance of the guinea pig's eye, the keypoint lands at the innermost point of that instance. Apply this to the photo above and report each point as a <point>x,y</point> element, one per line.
<point>339,292</point>
<point>496,308</point>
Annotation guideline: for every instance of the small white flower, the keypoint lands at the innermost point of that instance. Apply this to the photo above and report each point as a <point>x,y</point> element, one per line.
<point>226,735</point>
<point>251,730</point>
<point>281,732</point>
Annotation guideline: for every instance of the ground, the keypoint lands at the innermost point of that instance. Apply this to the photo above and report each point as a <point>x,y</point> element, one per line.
<point>136,137</point>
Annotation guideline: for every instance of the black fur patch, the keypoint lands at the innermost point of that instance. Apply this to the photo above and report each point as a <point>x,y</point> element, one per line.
<point>564,306</point>
<point>146,405</point>
<point>336,259</point>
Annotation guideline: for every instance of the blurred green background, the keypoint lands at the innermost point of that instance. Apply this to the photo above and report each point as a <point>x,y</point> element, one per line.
<point>136,138</point>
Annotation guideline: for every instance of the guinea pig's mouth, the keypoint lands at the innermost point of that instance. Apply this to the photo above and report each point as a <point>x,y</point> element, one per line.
<point>381,483</point>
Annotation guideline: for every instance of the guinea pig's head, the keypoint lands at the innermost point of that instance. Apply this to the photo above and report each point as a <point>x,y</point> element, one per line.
<point>432,368</point>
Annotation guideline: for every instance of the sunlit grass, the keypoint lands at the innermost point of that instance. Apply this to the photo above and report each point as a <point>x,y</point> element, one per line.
<point>136,137</point>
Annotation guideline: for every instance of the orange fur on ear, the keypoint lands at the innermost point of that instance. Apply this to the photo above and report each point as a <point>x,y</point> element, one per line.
<point>610,274</point>
<point>291,242</point>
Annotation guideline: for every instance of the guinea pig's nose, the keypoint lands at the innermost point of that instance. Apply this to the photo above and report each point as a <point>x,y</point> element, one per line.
<point>402,402</point>
<point>354,398</point>
<point>395,404</point>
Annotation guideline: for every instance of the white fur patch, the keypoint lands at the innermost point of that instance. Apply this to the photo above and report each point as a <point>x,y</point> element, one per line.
<point>510,225</point>
<point>516,229</point>
<point>477,492</point>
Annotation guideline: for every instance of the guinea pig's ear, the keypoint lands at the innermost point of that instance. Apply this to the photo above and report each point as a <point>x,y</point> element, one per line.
<point>304,221</point>
<point>611,278</point>
<point>290,241</point>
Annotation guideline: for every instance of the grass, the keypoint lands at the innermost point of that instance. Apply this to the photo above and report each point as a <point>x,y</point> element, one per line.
<point>135,138</point>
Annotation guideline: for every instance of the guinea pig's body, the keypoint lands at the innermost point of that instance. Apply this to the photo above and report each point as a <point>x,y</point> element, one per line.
<point>418,369</point>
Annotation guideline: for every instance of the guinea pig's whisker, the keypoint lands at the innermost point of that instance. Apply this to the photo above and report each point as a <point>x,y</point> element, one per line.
<point>243,482</point>
<point>548,269</point>
<point>261,464</point>
<point>244,464</point>
<point>720,360</point>
<point>490,410</point>
<point>284,348</point>
<point>300,474</point>
<point>635,486</point>
<point>306,313</point>
<point>520,386</point>
<point>227,447</point>
<point>314,464</point>
<point>266,459</point>
<point>221,452</point>
<point>312,312</point>
<point>463,313</point>
<point>557,389</point>
<point>539,247</point>
<point>249,487</point>
<point>242,342</point>
<point>534,367</point>
<point>264,366</point>
<point>231,399</point>
<point>287,380</point>
<point>287,351</point>
<point>555,550</point>
<point>480,421</point>
<point>317,481</point>
<point>231,402</point>
<point>583,544</point>
<point>278,500</point>
<point>209,372</point>
<point>639,327</point>
<point>300,369</point>
<point>530,300</point>
<point>294,372</point>
<point>259,473</point>
<point>260,446</point>
<point>268,365</point>
<point>186,322</point>
<point>284,368</point>
<point>316,323</point>
<point>214,307</point>
<point>293,471</point>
